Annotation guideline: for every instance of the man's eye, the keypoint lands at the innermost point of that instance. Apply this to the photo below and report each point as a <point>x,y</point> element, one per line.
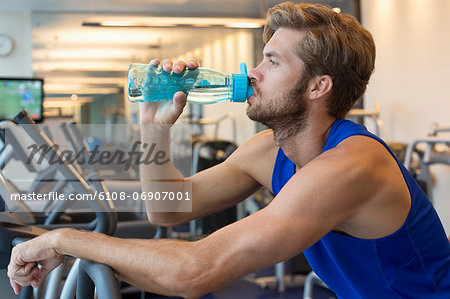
<point>273,63</point>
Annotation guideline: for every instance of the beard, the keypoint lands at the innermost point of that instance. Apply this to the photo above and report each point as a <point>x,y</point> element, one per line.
<point>285,114</point>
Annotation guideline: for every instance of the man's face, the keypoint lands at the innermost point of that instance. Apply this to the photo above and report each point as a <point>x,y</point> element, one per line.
<point>279,89</point>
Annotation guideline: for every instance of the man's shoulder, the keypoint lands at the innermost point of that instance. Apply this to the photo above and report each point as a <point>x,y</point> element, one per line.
<point>360,159</point>
<point>360,147</point>
<point>262,145</point>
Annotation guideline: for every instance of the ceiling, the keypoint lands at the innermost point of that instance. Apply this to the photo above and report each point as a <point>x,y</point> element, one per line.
<point>215,8</point>
<point>86,60</point>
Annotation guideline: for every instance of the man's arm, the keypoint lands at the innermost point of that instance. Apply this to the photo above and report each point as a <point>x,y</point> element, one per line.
<point>318,198</point>
<point>213,190</point>
<point>218,187</point>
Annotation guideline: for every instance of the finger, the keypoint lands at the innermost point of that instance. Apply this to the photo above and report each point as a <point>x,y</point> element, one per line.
<point>28,267</point>
<point>167,65</point>
<point>15,270</point>
<point>179,66</point>
<point>155,62</point>
<point>36,283</point>
<point>15,286</point>
<point>192,64</point>
<point>26,280</point>
<point>38,278</point>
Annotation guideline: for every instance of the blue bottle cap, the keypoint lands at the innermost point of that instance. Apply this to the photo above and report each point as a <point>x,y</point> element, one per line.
<point>241,87</point>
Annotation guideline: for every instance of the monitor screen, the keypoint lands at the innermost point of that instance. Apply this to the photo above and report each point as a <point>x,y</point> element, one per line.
<point>17,94</point>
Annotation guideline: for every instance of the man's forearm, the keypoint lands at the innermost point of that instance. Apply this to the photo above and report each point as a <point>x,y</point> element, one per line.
<point>156,139</point>
<point>160,176</point>
<point>163,266</point>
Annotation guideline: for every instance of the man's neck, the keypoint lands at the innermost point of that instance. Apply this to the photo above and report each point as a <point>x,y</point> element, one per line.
<point>305,144</point>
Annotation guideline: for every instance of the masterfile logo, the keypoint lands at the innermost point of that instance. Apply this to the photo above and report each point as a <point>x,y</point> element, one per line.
<point>147,155</point>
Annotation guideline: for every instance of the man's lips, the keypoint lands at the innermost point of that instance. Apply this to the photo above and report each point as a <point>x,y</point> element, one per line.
<point>250,98</point>
<point>255,93</point>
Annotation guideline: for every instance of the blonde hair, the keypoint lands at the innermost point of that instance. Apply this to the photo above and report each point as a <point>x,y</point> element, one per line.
<point>335,45</point>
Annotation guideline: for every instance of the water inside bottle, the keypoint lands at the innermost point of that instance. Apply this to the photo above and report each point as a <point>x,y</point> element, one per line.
<point>150,84</point>
<point>209,94</point>
<point>154,84</point>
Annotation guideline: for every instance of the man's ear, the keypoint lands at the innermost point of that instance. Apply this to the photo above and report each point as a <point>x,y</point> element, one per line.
<point>320,86</point>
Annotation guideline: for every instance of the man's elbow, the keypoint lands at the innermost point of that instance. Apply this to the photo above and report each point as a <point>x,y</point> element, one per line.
<point>188,279</point>
<point>197,286</point>
<point>193,293</point>
<point>163,219</point>
<point>188,290</point>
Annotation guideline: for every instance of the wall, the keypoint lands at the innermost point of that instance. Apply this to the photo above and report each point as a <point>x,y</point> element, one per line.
<point>224,52</point>
<point>18,63</point>
<point>226,55</point>
<point>412,73</point>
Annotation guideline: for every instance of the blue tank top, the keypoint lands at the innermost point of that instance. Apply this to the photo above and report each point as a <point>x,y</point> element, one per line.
<point>413,262</point>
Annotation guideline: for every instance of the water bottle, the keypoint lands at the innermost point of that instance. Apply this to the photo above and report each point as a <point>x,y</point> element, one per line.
<point>148,83</point>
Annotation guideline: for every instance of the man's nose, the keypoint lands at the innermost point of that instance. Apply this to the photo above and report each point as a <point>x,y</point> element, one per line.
<point>254,75</point>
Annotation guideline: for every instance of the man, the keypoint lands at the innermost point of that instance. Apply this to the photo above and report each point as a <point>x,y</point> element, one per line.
<point>341,197</point>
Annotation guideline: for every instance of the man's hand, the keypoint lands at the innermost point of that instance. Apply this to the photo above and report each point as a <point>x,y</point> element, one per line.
<point>32,261</point>
<point>166,112</point>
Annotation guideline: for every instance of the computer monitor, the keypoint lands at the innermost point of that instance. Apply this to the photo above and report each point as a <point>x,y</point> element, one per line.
<point>17,94</point>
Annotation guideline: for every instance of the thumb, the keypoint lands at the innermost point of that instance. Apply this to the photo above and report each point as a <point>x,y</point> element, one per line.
<point>179,102</point>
